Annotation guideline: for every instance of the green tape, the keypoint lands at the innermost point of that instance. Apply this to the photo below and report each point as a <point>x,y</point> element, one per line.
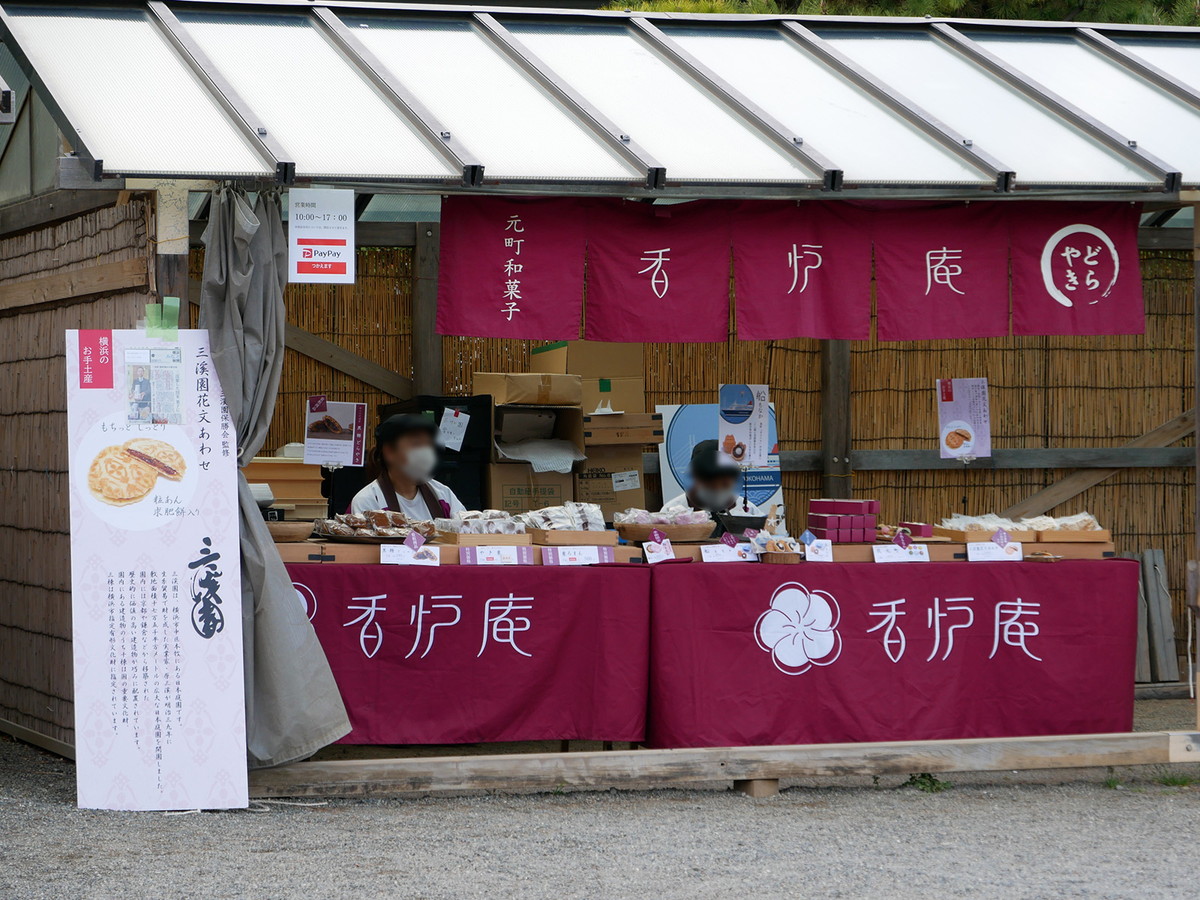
<point>557,345</point>
<point>605,385</point>
<point>153,320</point>
<point>170,319</point>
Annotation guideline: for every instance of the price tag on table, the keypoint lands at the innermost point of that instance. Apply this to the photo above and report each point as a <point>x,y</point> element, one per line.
<point>577,556</point>
<point>722,552</point>
<point>453,428</point>
<point>404,555</point>
<point>658,547</point>
<point>893,553</point>
<point>819,550</point>
<point>990,551</point>
<point>496,556</point>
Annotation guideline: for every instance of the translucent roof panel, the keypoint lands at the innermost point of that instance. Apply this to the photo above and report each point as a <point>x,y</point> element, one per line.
<point>330,120</point>
<point>1180,59</point>
<point>684,128</point>
<point>1038,145</point>
<point>1109,92</point>
<point>488,102</point>
<point>866,139</point>
<point>134,102</point>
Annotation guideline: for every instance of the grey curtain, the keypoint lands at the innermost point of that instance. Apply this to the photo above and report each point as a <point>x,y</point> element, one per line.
<point>293,707</point>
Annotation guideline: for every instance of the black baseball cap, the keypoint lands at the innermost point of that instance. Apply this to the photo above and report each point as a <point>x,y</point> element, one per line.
<point>399,425</point>
<point>706,463</point>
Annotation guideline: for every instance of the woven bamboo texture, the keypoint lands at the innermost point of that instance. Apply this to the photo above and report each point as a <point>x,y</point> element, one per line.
<point>35,601</point>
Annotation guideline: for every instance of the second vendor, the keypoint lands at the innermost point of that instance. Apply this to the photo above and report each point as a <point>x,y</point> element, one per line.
<point>405,457</point>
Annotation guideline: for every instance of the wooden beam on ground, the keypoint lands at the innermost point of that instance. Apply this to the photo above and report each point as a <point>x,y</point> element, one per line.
<point>668,768</point>
<point>46,209</point>
<point>335,357</point>
<point>29,736</point>
<point>835,419</point>
<point>427,343</point>
<point>1077,482</point>
<point>103,278</point>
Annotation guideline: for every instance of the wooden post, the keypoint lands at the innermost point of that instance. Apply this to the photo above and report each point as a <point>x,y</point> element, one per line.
<point>757,787</point>
<point>835,419</point>
<point>1191,599</point>
<point>427,343</point>
<point>171,230</point>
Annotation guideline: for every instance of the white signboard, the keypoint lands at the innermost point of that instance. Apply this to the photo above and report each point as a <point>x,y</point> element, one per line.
<point>893,553</point>
<point>990,551</point>
<point>820,550</point>
<point>406,555</point>
<point>321,235</point>
<point>160,719</point>
<point>335,433</point>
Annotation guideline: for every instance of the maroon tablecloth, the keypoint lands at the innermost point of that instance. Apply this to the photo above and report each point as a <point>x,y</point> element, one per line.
<point>752,654</point>
<point>466,654</point>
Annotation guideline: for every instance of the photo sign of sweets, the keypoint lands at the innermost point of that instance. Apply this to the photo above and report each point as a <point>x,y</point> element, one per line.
<point>964,420</point>
<point>335,434</point>
<point>743,424</point>
<point>155,575</point>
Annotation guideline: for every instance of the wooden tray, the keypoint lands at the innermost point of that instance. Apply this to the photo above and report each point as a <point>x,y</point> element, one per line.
<point>484,540</point>
<point>678,534</point>
<point>976,537</point>
<point>1074,537</point>
<point>574,538</point>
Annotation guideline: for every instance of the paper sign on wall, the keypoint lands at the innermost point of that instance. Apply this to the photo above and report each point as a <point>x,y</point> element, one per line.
<point>964,420</point>
<point>335,434</point>
<point>155,576</point>
<point>453,428</point>
<point>321,235</point>
<point>743,424</point>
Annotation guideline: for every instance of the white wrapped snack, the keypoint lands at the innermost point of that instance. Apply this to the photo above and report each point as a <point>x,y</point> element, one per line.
<point>632,516</point>
<point>448,526</point>
<point>587,516</point>
<point>1038,523</point>
<point>1084,521</point>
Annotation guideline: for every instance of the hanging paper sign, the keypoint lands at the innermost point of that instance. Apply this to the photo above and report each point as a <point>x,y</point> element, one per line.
<point>511,268</point>
<point>335,434</point>
<point>801,270</point>
<point>453,428</point>
<point>964,418</point>
<point>743,425</point>
<point>941,272</point>
<point>156,587</point>
<point>1075,269</point>
<point>321,235</point>
<point>658,273</point>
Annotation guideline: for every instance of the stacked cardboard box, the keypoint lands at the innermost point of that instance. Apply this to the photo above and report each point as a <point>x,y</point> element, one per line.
<point>843,521</point>
<point>611,374</point>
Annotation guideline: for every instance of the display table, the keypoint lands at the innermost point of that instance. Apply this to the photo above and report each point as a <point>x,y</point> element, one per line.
<point>467,654</point>
<point>746,654</point>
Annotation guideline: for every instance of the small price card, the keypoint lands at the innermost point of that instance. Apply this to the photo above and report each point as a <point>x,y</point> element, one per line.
<point>734,552</point>
<point>990,551</point>
<point>404,555</point>
<point>819,550</point>
<point>894,553</point>
<point>496,556</point>
<point>658,547</point>
<point>453,428</point>
<point>576,556</point>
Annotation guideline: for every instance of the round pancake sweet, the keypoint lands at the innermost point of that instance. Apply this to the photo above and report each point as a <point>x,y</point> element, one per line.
<point>159,455</point>
<point>118,479</point>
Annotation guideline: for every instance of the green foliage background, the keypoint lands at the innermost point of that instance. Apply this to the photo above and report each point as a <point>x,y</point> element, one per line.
<point>1155,12</point>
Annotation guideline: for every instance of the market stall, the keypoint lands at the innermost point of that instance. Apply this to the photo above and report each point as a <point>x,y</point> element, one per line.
<point>833,619</point>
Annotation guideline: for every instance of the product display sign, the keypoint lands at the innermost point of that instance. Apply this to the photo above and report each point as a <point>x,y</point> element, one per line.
<point>156,593</point>
<point>744,424</point>
<point>321,235</point>
<point>991,551</point>
<point>335,434</point>
<point>686,425</point>
<point>964,419</point>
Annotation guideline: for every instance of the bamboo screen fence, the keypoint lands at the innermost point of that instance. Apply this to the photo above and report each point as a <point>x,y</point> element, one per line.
<point>35,601</point>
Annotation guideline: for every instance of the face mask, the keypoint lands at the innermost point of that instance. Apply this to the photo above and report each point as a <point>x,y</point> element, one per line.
<point>420,463</point>
<point>713,498</point>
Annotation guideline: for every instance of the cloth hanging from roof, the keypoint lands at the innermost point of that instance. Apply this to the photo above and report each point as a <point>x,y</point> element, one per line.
<point>293,707</point>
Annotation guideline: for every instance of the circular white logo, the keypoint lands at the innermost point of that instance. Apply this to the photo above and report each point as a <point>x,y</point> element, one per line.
<point>1085,260</point>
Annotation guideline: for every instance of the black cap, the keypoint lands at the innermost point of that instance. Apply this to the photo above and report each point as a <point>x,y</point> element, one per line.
<point>707,464</point>
<point>397,426</point>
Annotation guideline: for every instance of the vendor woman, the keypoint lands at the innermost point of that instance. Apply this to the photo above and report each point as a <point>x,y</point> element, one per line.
<point>714,485</point>
<point>404,458</point>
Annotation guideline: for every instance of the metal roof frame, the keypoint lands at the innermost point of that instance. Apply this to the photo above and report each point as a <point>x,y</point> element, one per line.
<point>326,17</point>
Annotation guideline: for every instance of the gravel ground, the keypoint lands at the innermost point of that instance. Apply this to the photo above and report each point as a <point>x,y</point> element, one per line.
<point>1068,833</point>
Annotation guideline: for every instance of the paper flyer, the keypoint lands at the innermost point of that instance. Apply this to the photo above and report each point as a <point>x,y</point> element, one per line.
<point>964,419</point>
<point>155,575</point>
<point>335,434</point>
<point>743,424</point>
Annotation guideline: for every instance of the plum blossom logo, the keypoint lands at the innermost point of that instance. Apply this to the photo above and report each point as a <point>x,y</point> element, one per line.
<point>800,629</point>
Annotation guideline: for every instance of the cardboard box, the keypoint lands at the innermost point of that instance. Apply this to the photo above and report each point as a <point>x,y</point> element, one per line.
<point>613,478</point>
<point>628,428</point>
<point>524,421</point>
<point>542,389</point>
<point>515,487</point>
<point>588,359</point>
<point>626,394</point>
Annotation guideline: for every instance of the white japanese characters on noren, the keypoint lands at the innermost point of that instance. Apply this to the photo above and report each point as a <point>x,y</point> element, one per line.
<point>501,626</point>
<point>419,612</point>
<point>660,282</point>
<point>371,633</point>
<point>795,255</point>
<point>942,267</point>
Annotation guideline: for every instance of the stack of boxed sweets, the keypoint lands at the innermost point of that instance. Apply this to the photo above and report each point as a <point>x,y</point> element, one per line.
<point>843,521</point>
